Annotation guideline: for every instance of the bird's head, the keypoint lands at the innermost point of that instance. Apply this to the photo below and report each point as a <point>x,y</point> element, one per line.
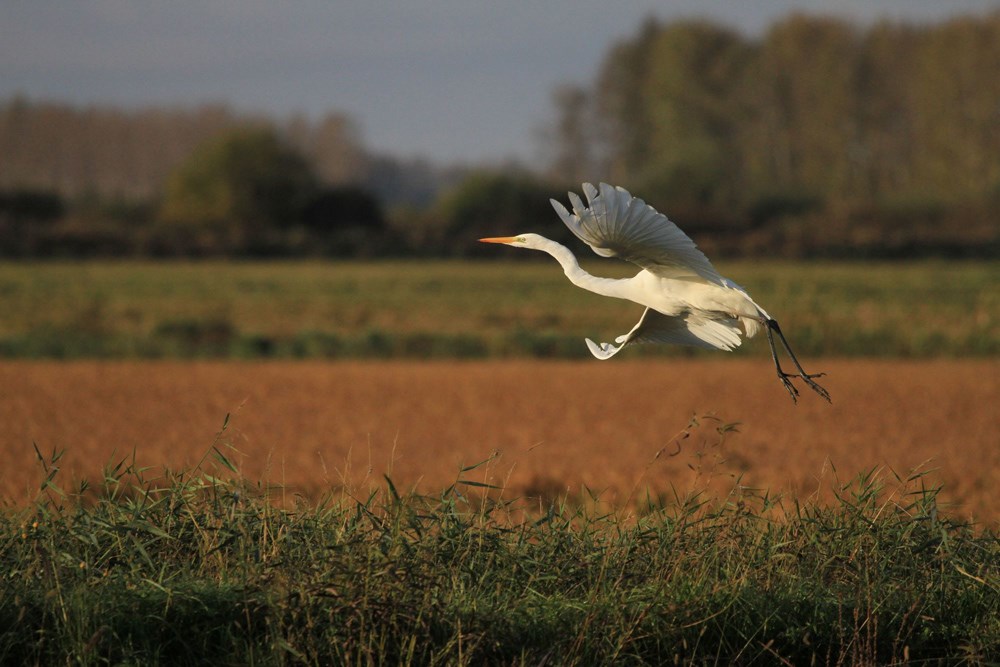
<point>533,241</point>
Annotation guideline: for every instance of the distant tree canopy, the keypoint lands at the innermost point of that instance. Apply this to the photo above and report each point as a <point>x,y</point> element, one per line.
<point>813,138</point>
<point>696,113</point>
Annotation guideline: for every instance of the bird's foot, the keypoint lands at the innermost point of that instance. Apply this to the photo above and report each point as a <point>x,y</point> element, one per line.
<point>786,379</point>
<point>808,379</point>
<point>792,391</point>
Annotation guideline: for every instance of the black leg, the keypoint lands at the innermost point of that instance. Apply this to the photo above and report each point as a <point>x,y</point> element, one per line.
<point>772,325</point>
<point>782,375</point>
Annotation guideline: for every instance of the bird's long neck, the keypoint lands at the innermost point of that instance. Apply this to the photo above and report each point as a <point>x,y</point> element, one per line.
<point>605,286</point>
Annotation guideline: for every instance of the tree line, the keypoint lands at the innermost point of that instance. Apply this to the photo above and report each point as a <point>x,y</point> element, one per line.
<point>819,138</point>
<point>198,182</point>
<point>129,154</point>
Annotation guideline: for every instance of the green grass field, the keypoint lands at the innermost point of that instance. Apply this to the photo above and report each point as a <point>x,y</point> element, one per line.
<point>200,567</point>
<point>454,309</point>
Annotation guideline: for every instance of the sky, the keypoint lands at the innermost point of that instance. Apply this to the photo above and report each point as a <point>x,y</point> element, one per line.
<point>452,81</point>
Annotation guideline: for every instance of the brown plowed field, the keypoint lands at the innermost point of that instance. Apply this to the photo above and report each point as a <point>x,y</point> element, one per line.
<point>310,426</point>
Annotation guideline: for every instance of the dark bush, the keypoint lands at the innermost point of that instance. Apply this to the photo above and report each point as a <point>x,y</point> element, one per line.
<point>347,221</point>
<point>31,205</point>
<point>498,204</point>
<point>777,205</point>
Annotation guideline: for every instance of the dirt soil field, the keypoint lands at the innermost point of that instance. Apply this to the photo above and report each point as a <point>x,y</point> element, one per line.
<point>613,426</point>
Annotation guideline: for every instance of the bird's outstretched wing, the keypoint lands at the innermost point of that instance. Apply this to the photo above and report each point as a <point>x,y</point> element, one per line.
<point>655,327</point>
<point>616,224</point>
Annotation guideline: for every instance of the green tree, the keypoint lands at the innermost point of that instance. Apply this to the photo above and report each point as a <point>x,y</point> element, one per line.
<point>694,76</point>
<point>956,109</point>
<point>885,109</point>
<point>805,133</point>
<point>573,141</point>
<point>242,189</point>
<point>623,117</point>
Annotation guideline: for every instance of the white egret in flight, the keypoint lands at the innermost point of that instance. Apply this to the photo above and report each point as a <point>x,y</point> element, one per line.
<point>687,301</point>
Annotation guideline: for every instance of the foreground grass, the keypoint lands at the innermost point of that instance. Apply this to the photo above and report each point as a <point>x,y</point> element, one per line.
<point>188,567</point>
<point>473,309</point>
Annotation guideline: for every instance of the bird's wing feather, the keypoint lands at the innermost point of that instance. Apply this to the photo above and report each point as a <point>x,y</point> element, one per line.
<point>616,224</point>
<point>655,327</point>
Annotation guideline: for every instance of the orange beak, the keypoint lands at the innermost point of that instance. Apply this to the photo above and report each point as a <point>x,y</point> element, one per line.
<point>499,239</point>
